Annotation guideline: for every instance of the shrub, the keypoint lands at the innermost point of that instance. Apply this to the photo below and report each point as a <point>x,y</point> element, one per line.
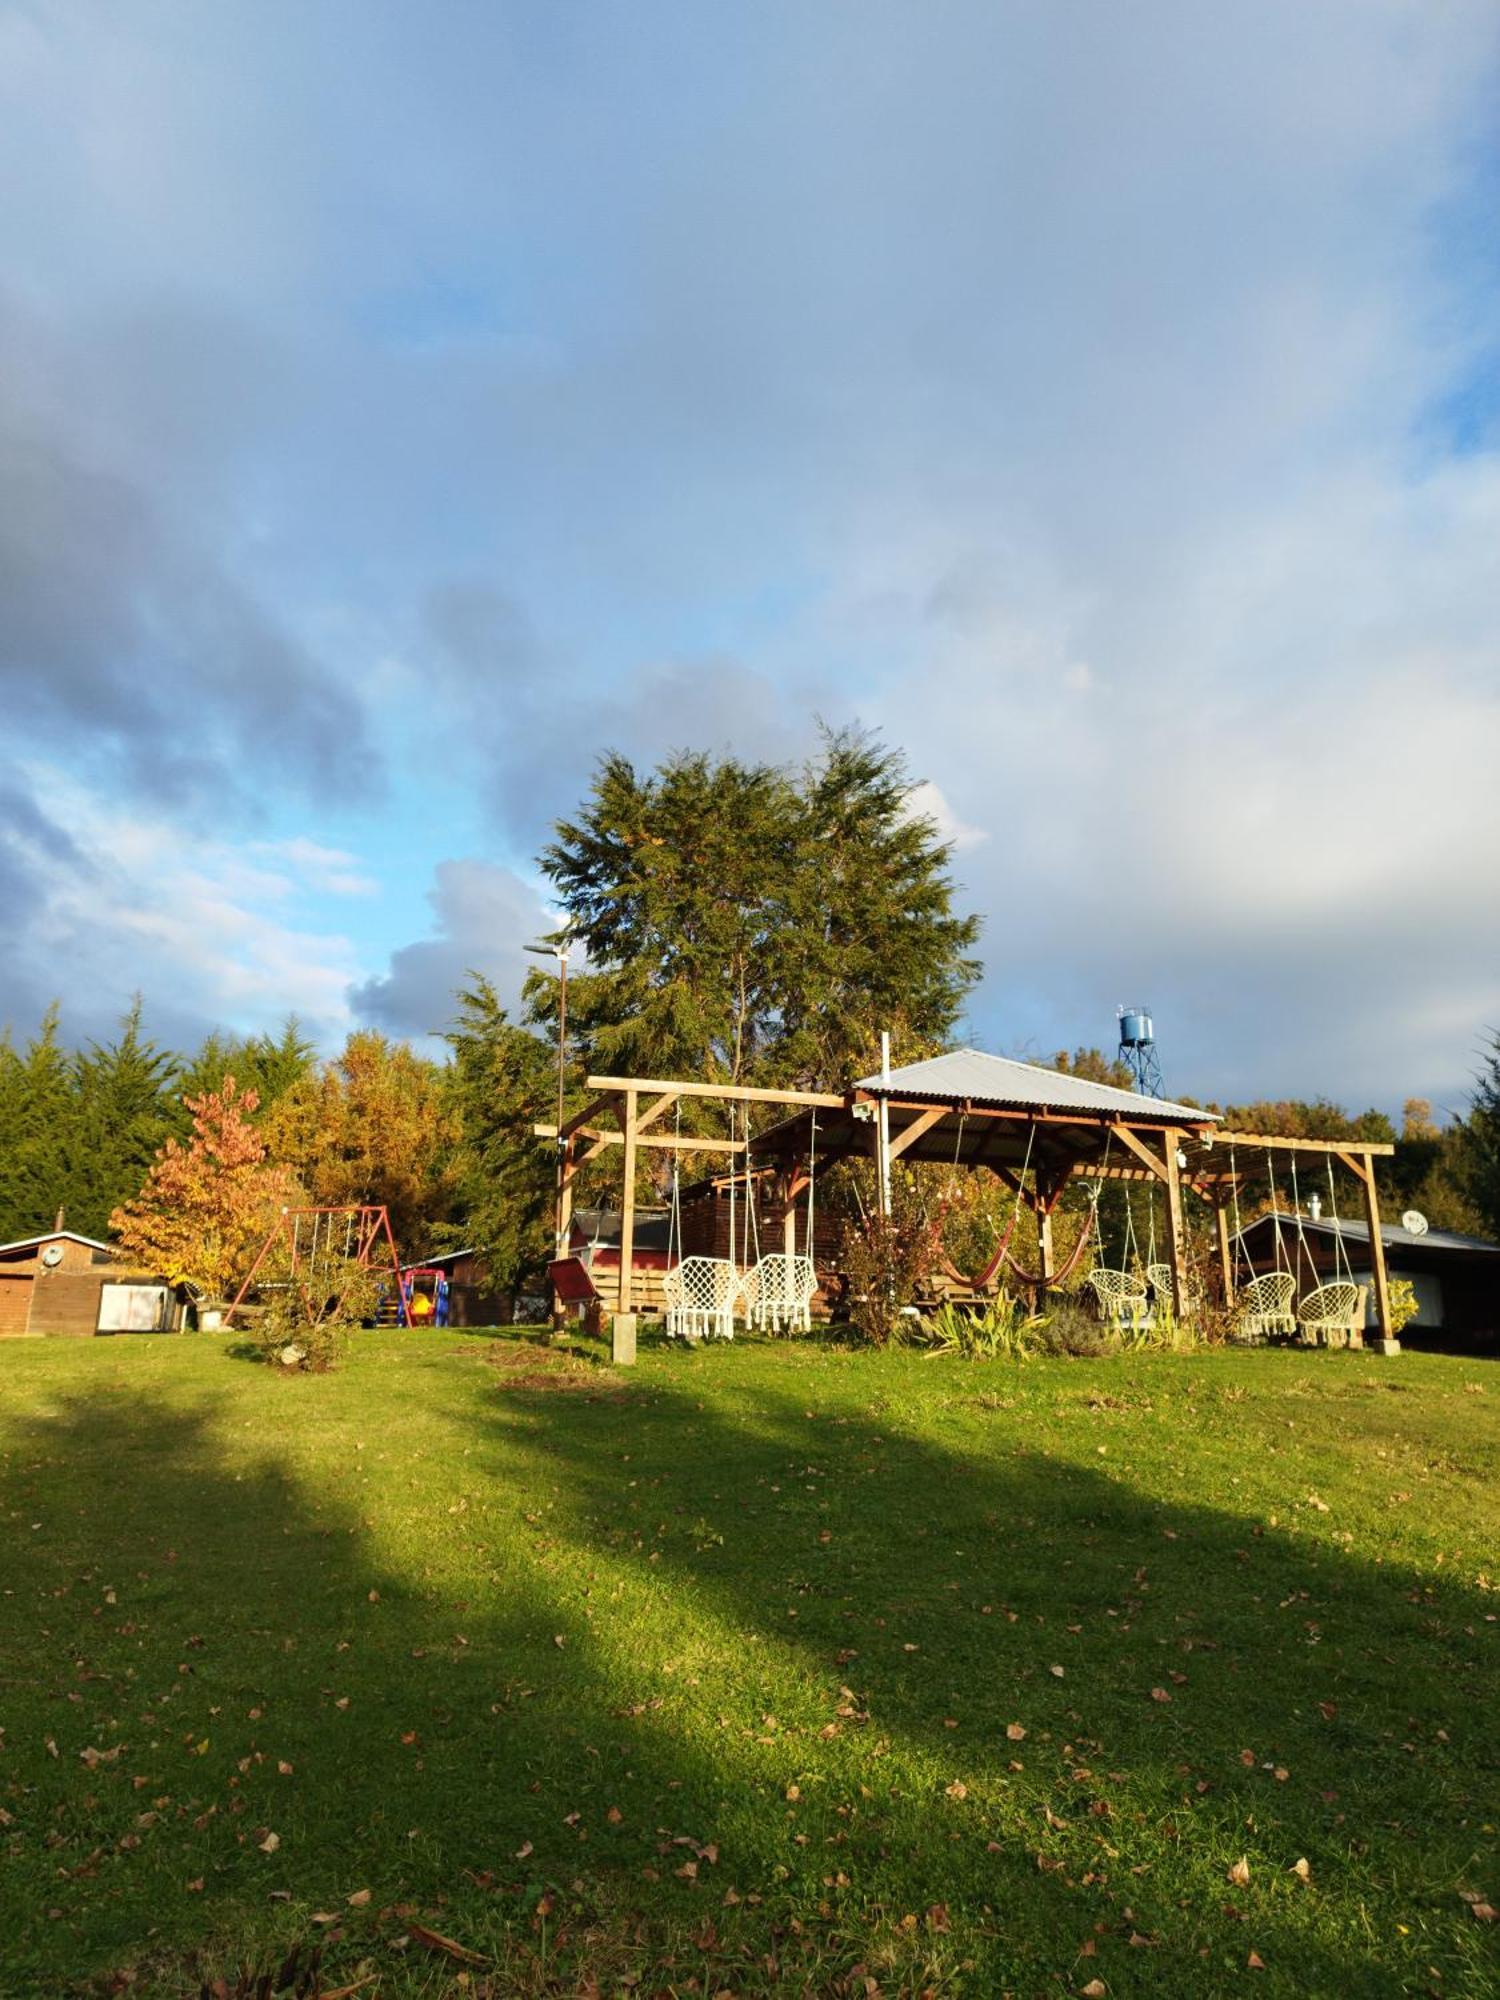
<point>302,1321</point>
<point>1401,1297</point>
<point>888,1259</point>
<point>1002,1328</point>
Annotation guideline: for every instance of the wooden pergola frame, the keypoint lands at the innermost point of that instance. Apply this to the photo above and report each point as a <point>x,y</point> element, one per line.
<point>1054,1147</point>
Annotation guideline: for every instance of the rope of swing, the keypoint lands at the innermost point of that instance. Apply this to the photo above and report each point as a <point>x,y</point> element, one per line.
<point>1075,1257</point>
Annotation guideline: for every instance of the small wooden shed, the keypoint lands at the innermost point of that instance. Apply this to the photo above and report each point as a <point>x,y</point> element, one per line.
<point>64,1283</point>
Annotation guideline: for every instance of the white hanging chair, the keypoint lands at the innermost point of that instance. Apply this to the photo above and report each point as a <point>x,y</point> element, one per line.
<point>1264,1306</point>
<point>1120,1296</point>
<point>779,1291</point>
<point>700,1295</point>
<point>1334,1314</point>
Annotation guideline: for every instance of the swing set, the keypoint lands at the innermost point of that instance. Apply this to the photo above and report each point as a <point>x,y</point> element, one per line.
<point>321,1246</point>
<point>774,1292</point>
<point>1328,1314</point>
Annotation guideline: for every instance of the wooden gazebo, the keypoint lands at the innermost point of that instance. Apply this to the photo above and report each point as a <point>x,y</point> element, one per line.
<point>1037,1129</point>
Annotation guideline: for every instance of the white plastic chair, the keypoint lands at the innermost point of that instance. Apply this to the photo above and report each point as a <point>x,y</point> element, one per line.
<point>1265,1306</point>
<point>779,1292</point>
<point>700,1293</point>
<point>1333,1315</point>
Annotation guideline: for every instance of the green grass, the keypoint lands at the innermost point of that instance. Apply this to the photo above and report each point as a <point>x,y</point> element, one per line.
<point>697,1678</point>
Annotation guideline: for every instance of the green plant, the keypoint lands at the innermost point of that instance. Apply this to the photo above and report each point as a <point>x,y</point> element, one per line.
<point>1401,1299</point>
<point>302,1321</point>
<point>1002,1329</point>
<point>888,1259</point>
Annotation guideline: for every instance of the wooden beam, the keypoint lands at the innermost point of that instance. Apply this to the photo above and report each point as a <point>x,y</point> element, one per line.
<point>662,1142</point>
<point>910,1134</point>
<point>1143,1152</point>
<point>1355,1166</point>
<point>726,1093</point>
<point>654,1111</point>
<point>1226,1260</point>
<point>587,1116</point>
<point>627,1207</point>
<point>1264,1140</point>
<point>1175,1241</point>
<point>1377,1257</point>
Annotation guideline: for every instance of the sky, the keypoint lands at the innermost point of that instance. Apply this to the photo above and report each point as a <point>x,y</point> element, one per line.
<point>400,406</point>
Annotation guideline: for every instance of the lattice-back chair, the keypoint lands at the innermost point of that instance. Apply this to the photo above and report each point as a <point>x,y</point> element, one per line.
<point>1333,1315</point>
<point>700,1294</point>
<point>1264,1306</point>
<point>779,1291</point>
<point>1120,1296</point>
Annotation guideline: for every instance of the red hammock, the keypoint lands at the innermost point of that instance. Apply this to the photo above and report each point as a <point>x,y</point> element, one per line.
<point>991,1270</point>
<point>1058,1277</point>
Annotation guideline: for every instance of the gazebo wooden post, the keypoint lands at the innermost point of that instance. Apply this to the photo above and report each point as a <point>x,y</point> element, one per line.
<point>1171,1139</point>
<point>1388,1341</point>
<point>1226,1259</point>
<point>627,1206</point>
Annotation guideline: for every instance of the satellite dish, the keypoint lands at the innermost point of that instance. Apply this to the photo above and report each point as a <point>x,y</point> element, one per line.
<point>1414,1222</point>
<point>53,1254</point>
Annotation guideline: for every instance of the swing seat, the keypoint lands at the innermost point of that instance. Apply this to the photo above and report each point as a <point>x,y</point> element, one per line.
<point>779,1291</point>
<point>1334,1315</point>
<point>1120,1297</point>
<point>700,1295</point>
<point>1264,1307</point>
<point>1159,1278</point>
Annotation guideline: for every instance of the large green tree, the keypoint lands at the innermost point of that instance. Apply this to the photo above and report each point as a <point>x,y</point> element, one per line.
<point>124,1107</point>
<point>745,923</point>
<point>500,1080</point>
<point>1480,1149</point>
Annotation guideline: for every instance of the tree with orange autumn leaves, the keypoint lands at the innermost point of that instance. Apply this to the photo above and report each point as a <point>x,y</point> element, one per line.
<point>206,1206</point>
<point>373,1125</point>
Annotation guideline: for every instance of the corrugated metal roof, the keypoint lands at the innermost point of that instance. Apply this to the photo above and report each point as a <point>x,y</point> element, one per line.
<point>971,1075</point>
<point>1391,1234</point>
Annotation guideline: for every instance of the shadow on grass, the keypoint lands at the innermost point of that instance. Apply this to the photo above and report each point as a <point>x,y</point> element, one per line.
<point>524,1701</point>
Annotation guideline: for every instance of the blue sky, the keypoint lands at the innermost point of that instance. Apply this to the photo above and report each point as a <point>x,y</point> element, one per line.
<point>401,406</point>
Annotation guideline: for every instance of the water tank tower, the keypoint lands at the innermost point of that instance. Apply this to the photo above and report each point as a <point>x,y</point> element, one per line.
<point>1138,1050</point>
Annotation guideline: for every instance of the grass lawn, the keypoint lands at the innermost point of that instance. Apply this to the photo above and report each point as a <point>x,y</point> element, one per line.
<point>769,1668</point>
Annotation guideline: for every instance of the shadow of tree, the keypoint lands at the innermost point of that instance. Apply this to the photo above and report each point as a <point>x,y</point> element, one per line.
<point>523,1689</point>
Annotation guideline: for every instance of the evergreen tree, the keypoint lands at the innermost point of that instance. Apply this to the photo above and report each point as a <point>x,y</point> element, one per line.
<point>748,924</point>
<point>500,1081</point>
<point>39,1159</point>
<point>1480,1152</point>
<point>123,1110</point>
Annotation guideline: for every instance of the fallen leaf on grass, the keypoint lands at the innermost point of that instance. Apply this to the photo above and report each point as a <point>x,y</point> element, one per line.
<point>1300,1869</point>
<point>1095,1990</point>
<point>1239,1874</point>
<point>1255,1963</point>
<point>523,1850</point>
<point>358,1900</point>
<point>270,1844</point>
<point>1057,1672</point>
<point>435,1941</point>
<point>1015,1732</point>
<point>1328,1710</point>
<point>958,1789</point>
<point>1160,1694</point>
<point>614,1815</point>
<point>323,1917</point>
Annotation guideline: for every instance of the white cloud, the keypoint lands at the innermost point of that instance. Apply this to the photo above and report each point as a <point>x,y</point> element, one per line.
<point>209,932</point>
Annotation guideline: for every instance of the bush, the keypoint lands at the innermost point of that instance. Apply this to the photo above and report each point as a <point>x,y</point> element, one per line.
<point>302,1321</point>
<point>1002,1328</point>
<point>1401,1297</point>
<point>888,1259</point>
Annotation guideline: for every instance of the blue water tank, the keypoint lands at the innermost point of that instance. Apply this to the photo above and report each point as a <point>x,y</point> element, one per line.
<point>1135,1028</point>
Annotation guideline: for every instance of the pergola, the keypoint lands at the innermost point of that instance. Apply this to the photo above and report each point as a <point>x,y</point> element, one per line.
<point>1037,1129</point>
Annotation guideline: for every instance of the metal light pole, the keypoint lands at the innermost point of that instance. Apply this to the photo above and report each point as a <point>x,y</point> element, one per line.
<point>558,947</point>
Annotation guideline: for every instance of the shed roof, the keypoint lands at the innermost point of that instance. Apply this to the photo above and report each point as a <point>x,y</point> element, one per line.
<point>1391,1234</point>
<point>54,1236</point>
<point>972,1076</point>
